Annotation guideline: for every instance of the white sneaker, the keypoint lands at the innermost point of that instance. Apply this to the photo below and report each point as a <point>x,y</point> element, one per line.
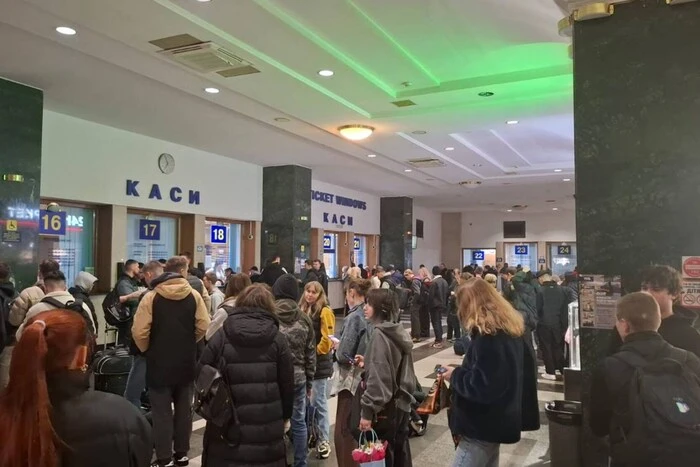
<point>324,450</point>
<point>549,377</point>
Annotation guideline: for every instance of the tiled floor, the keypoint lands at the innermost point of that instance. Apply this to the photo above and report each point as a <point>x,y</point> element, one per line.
<point>436,448</point>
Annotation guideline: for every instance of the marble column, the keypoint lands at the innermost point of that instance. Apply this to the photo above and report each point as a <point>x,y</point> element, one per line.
<point>21,114</point>
<point>636,110</point>
<point>286,225</point>
<point>396,225</point>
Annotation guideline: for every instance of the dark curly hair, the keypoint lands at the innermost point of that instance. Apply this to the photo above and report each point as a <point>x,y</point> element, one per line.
<point>662,277</point>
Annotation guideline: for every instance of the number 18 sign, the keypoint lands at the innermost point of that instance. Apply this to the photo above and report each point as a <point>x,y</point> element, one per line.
<point>218,234</point>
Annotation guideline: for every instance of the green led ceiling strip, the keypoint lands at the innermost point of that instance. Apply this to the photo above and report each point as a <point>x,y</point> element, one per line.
<point>395,43</point>
<point>260,55</point>
<point>325,45</point>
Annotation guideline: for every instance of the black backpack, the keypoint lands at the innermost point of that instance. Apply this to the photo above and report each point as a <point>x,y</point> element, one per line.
<point>5,328</point>
<point>404,297</point>
<point>662,419</point>
<point>116,313</point>
<point>75,305</point>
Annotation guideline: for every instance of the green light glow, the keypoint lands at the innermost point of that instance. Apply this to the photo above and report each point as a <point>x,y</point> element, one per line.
<point>260,55</point>
<point>394,42</point>
<point>327,46</point>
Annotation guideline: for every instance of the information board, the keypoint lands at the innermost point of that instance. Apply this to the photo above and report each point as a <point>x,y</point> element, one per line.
<point>598,297</point>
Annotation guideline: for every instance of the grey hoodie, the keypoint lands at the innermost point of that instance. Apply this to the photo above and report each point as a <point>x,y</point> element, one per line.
<point>299,331</point>
<point>386,377</point>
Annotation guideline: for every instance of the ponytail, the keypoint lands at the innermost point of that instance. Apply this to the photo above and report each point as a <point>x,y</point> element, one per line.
<point>48,344</point>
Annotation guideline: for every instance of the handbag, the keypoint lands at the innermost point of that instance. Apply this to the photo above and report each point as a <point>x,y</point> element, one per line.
<point>437,399</point>
<point>370,453</point>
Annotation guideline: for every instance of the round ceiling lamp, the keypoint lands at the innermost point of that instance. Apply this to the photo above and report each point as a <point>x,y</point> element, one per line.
<point>356,132</point>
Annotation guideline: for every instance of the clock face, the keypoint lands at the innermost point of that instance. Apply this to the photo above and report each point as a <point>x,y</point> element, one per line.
<point>166,163</point>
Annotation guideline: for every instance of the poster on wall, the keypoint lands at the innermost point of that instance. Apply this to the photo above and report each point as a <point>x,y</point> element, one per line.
<point>598,296</point>
<point>690,291</point>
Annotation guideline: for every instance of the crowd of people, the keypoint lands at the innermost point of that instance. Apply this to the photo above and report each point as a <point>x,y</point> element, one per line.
<point>272,337</point>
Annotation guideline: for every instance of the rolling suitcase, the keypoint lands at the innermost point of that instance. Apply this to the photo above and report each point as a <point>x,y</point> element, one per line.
<point>111,368</point>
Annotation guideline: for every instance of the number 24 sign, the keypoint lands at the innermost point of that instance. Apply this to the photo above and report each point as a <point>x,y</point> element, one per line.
<point>149,229</point>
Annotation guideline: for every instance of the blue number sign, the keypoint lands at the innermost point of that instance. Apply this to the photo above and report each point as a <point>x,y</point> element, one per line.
<point>564,250</point>
<point>478,255</point>
<point>522,249</point>
<point>327,242</point>
<point>52,223</point>
<point>218,234</point>
<point>356,244</point>
<point>149,229</point>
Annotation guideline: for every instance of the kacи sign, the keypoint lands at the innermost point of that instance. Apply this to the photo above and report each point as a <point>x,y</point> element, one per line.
<point>478,255</point>
<point>52,223</point>
<point>522,249</point>
<point>691,267</point>
<point>219,234</point>
<point>564,250</point>
<point>149,229</point>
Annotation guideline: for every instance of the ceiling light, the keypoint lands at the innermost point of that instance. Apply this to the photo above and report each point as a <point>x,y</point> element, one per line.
<point>557,170</point>
<point>282,119</point>
<point>371,156</point>
<point>449,148</point>
<point>407,170</point>
<point>212,90</point>
<point>326,73</point>
<point>509,210</point>
<point>555,209</point>
<point>356,132</point>
<point>485,94</point>
<point>512,122</point>
<point>566,180</point>
<point>66,31</point>
<point>203,1</point>
<point>419,132</point>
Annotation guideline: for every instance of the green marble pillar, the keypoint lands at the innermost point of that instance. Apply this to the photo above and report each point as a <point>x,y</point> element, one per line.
<point>637,149</point>
<point>396,225</point>
<point>21,113</point>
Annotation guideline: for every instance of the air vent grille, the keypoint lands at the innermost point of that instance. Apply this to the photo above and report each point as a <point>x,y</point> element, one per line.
<point>470,183</point>
<point>208,57</point>
<point>426,163</point>
<point>404,103</point>
<point>519,207</point>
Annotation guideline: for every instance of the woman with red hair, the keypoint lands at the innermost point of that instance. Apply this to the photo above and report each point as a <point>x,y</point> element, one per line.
<point>47,415</point>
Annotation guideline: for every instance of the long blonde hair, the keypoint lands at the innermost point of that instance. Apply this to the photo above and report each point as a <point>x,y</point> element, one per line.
<point>321,302</point>
<point>481,307</point>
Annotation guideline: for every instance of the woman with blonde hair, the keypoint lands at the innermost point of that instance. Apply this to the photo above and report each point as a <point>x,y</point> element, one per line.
<point>315,304</point>
<point>494,392</point>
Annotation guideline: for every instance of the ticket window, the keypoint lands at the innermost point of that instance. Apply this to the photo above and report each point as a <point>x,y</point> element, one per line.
<point>222,243</point>
<point>151,237</point>
<point>479,256</point>
<point>330,254</point>
<point>562,258</point>
<point>524,254</point>
<point>68,237</point>
<point>360,250</point>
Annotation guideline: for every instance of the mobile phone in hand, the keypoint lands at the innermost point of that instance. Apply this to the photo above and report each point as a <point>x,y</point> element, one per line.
<point>351,360</point>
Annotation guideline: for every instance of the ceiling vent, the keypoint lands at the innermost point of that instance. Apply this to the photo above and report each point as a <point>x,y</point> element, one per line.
<point>208,57</point>
<point>519,207</point>
<point>425,163</point>
<point>471,183</point>
<point>404,103</point>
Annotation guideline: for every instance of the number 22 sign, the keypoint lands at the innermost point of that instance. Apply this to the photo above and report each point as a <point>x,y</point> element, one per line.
<point>149,229</point>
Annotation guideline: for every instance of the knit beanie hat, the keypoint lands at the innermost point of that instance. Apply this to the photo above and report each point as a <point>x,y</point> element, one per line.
<point>286,286</point>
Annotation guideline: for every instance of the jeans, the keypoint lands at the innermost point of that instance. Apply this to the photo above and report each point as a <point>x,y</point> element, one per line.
<point>171,431</point>
<point>436,318</point>
<point>299,431</point>
<point>136,382</point>
<point>319,401</point>
<point>475,453</point>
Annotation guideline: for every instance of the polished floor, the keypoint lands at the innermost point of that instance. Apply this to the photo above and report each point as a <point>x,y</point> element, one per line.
<point>435,448</point>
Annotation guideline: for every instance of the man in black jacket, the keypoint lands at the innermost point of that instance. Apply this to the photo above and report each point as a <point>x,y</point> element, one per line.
<point>439,293</point>
<point>273,270</point>
<point>170,320</point>
<point>664,284</point>
<point>552,314</point>
<point>638,319</point>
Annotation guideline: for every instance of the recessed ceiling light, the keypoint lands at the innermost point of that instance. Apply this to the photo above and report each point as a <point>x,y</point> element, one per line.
<point>66,31</point>
<point>212,90</point>
<point>203,1</point>
<point>282,119</point>
<point>408,170</point>
<point>557,170</point>
<point>555,209</point>
<point>356,132</point>
<point>419,132</point>
<point>326,73</point>
<point>509,210</point>
<point>566,180</point>
<point>371,156</point>
<point>449,148</point>
<point>512,122</point>
<point>485,94</point>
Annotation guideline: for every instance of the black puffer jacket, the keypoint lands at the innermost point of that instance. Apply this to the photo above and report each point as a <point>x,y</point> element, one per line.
<point>260,372</point>
<point>97,428</point>
<point>524,297</point>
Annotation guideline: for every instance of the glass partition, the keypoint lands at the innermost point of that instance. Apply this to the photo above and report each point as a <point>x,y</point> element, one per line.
<point>524,254</point>
<point>223,247</point>
<point>150,237</point>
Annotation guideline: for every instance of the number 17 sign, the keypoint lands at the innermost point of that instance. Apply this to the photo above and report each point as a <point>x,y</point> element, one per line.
<point>149,229</point>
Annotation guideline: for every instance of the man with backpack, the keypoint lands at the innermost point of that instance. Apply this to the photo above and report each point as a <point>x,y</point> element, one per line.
<point>7,331</point>
<point>128,289</point>
<point>646,397</point>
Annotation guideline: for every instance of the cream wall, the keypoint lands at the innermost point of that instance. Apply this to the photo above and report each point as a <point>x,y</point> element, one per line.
<point>485,229</point>
<point>428,249</point>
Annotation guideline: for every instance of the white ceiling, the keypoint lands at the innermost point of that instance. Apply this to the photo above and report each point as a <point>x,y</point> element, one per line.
<point>449,50</point>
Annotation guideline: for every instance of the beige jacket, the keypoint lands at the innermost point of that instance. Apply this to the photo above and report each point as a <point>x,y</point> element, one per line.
<point>21,305</point>
<point>176,288</point>
<point>63,297</point>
